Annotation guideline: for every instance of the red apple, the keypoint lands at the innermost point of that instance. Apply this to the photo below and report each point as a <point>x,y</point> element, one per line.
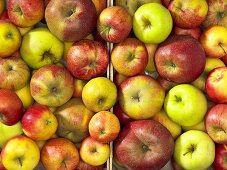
<point>71,20</point>
<point>129,57</point>
<point>121,115</point>
<point>11,107</point>
<point>114,24</point>
<point>118,79</point>
<point>59,153</point>
<point>87,59</point>
<point>84,166</point>
<point>214,41</point>
<point>25,13</point>
<point>194,32</point>
<point>39,123</point>
<point>216,123</point>
<point>216,13</point>
<point>166,2</point>
<point>166,84</point>
<point>4,15</point>
<point>216,85</point>
<point>144,144</point>
<point>104,127</point>
<point>188,13</point>
<point>220,162</point>
<point>224,59</point>
<point>180,59</point>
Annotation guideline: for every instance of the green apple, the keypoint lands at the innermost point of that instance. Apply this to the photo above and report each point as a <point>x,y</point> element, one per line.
<point>200,126</point>
<point>132,5</point>
<point>173,127</point>
<point>152,23</point>
<point>7,132</point>
<point>185,105</point>
<point>211,63</point>
<point>40,47</point>
<point>194,150</point>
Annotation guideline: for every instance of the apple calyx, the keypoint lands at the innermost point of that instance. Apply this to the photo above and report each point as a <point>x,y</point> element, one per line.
<point>191,149</point>
<point>9,35</point>
<point>145,148</point>
<point>147,24</point>
<point>220,15</point>
<point>47,54</point>
<point>219,129</point>
<point>18,10</point>
<point>70,12</point>
<point>48,122</point>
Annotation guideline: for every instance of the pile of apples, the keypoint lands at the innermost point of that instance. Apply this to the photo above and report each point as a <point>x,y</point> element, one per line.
<point>59,109</point>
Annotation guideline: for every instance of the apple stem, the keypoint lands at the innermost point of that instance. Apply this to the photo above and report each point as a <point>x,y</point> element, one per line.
<point>19,159</point>
<point>220,45</point>
<point>64,164</point>
<point>191,149</point>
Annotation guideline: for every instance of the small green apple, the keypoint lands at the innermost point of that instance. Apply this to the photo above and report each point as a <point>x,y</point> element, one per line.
<point>152,23</point>
<point>7,132</point>
<point>194,150</point>
<point>40,47</point>
<point>185,105</point>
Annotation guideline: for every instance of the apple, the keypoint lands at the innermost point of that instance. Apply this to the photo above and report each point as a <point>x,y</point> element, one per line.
<point>141,97</point>
<point>216,13</point>
<point>121,115</point>
<point>84,166</point>
<point>1,165</point>
<point>129,57</point>
<point>24,30</point>
<point>25,13</point>
<point>25,96</point>
<point>4,15</point>
<point>8,132</point>
<point>40,47</point>
<point>175,166</point>
<point>78,87</point>
<point>216,85</point>
<point>2,6</point>
<point>108,24</point>
<point>224,59</point>
<point>181,105</point>
<point>220,157</point>
<point>188,13</point>
<point>180,59</point>
<point>104,94</point>
<point>118,79</point>
<point>211,63</point>
<point>104,127</point>
<point>152,23</point>
<point>100,5</point>
<point>93,152</point>
<point>214,42</point>
<point>73,119</point>
<point>59,153</point>
<point>87,59</point>
<point>200,126</point>
<point>194,32</point>
<point>151,49</point>
<point>20,152</point>
<point>166,84</point>
<point>132,5</point>
<point>144,144</point>
<point>166,3</point>
<point>215,123</point>
<point>71,20</point>
<point>173,127</point>
<point>10,39</point>
<point>11,107</point>
<point>39,123</point>
<point>14,73</point>
<point>194,150</point>
<point>52,85</point>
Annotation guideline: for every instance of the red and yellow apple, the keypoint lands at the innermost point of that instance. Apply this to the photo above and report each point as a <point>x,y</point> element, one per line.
<point>194,32</point>
<point>100,5</point>
<point>78,87</point>
<point>220,157</point>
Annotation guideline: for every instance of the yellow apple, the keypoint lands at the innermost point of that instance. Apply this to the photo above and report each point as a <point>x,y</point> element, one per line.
<point>200,126</point>
<point>24,30</point>
<point>40,143</point>
<point>211,63</point>
<point>151,48</point>
<point>20,153</point>
<point>10,39</point>
<point>2,6</point>
<point>7,132</point>
<point>25,96</point>
<point>173,127</point>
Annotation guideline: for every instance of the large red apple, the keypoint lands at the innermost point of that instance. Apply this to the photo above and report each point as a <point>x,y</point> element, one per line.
<point>220,162</point>
<point>216,123</point>
<point>216,13</point>
<point>25,13</point>
<point>216,85</point>
<point>129,57</point>
<point>87,59</point>
<point>59,153</point>
<point>194,32</point>
<point>144,144</point>
<point>71,20</point>
<point>11,107</point>
<point>180,59</point>
<point>114,24</point>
